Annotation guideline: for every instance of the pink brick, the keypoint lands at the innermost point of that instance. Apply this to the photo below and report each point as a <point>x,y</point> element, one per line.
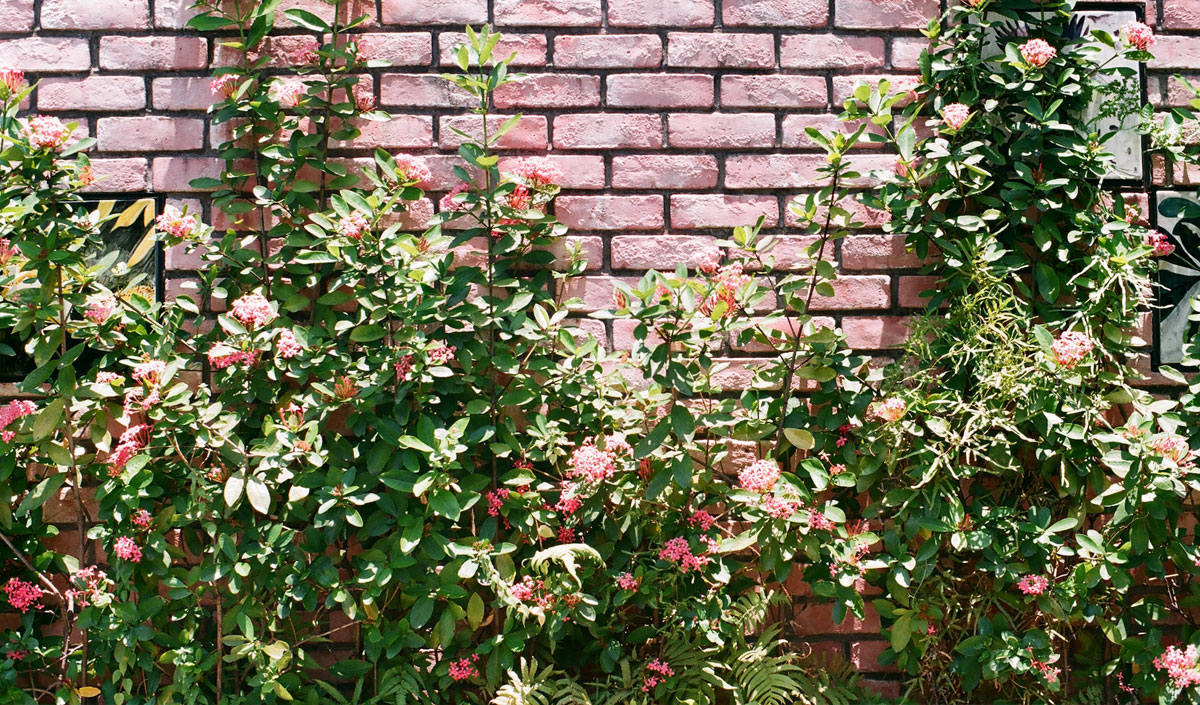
<point>579,171</point>
<point>906,52</point>
<point>911,288</point>
<point>664,171</point>
<point>843,86</point>
<point>877,252</point>
<point>84,14</point>
<point>119,175</point>
<point>690,211</point>
<point>610,212</point>
<point>710,50</point>
<point>549,90</point>
<point>434,12</point>
<point>46,54</point>
<point>821,51</point>
<point>884,14</point>
<point>530,49</point>
<point>16,16</point>
<point>175,173</point>
<point>153,53</point>
<point>855,292</point>
<point>108,93</point>
<point>150,133</point>
<point>347,10</point>
<point>173,14</point>
<point>423,91</point>
<point>1181,14</point>
<point>660,13</point>
<point>530,132</point>
<point>604,131</point>
<point>594,293</point>
<point>1173,52</point>
<point>547,13</point>
<point>648,90</point>
<point>794,134</point>
<point>603,51</point>
<point>402,131</point>
<point>401,48</point>
<point>875,332</point>
<point>767,171</point>
<point>776,13</point>
<point>656,251</point>
<point>181,94</point>
<point>721,130</point>
<point>773,91</point>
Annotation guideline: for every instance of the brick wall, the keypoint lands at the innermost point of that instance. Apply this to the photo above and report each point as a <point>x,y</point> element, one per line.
<point>672,120</point>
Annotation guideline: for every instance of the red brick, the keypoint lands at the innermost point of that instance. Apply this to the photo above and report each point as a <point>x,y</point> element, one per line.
<point>85,14</point>
<point>875,332</point>
<point>610,212</point>
<point>1176,53</point>
<point>776,13</point>
<point>818,619</point>
<point>153,53</point>
<point>691,211</point>
<point>889,690</point>
<point>423,91</point>
<point>580,171</point>
<point>119,175</point>
<point>46,54</point>
<point>843,86</point>
<point>175,173</point>
<point>108,93</point>
<point>649,90</point>
<point>603,131</point>
<point>549,90</point>
<point>877,252</point>
<point>664,171</point>
<point>767,171</point>
<point>911,288</point>
<point>1181,14</point>
<point>347,10</point>
<point>16,15</point>
<point>530,49</point>
<point>773,91</point>
<point>791,251</point>
<point>710,50</point>
<point>655,251</point>
<point>884,14</point>
<point>857,292</point>
<point>594,293</point>
<point>181,94</point>
<point>906,52</point>
<point>402,131</point>
<point>660,13</point>
<point>400,48</point>
<point>604,51</point>
<point>149,133</point>
<point>173,14</point>
<point>547,13</point>
<point>721,130</point>
<point>821,51</point>
<point>530,132</point>
<point>794,134</point>
<point>434,12</point>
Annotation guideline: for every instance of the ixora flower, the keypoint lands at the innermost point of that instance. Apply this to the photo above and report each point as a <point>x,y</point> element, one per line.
<point>1138,35</point>
<point>11,81</point>
<point>354,226</point>
<point>956,115</point>
<point>1180,665</point>
<point>1071,348</point>
<point>364,99</point>
<point>464,668</point>
<point>1173,448</point>
<point>759,476</point>
<point>659,671</point>
<point>253,311</point>
<point>536,171</point>
<point>1033,584</point>
<point>288,93</point>
<point>100,308</point>
<point>1158,241</point>
<point>678,551</point>
<point>225,85</point>
<point>287,345</point>
<point>626,581</point>
<point>590,462</point>
<point>176,223</point>
<point>890,409</point>
<point>709,260</point>
<point>11,412</point>
<point>1038,52</point>
<point>44,132</point>
<point>127,550</point>
<point>413,171</point>
<point>22,595</point>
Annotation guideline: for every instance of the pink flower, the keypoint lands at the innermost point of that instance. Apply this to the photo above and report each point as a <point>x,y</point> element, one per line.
<point>779,508</point>
<point>464,668</point>
<point>891,409</point>
<point>626,581</point>
<point>86,176</point>
<point>1173,448</point>
<point>1037,52</point>
<point>759,476</point>
<point>45,133</point>
<point>404,368</point>
<point>1160,243</point>
<point>364,99</point>
<point>902,168</point>
<point>141,519</point>
<point>678,551</point>
<point>1050,673</point>
<point>1033,584</point>
<point>12,80</point>
<point>413,171</point>
<point>536,171</point>
<point>956,115</point>
<point>495,500</point>
<point>566,534</point>
<point>728,282</point>
<point>127,549</point>
<point>363,49</point>
<point>222,356</point>
<point>253,311</point>
<point>709,260</point>
<point>23,595</point>
<point>306,53</point>
<point>132,441</point>
<point>702,520</point>
<point>288,93</point>
<point>7,251</point>
<point>225,85</point>
<point>448,203</point>
<point>176,224</point>
<point>1138,35</point>
<point>109,378</point>
<point>1071,348</point>
<point>617,446</point>
<point>11,412</point>
<point>591,463</point>
<point>442,355</point>
<point>149,372</point>
<point>1180,665</point>
<point>287,345</point>
<point>659,672</point>
<point>92,582</point>
<point>354,226</point>
<point>817,521</point>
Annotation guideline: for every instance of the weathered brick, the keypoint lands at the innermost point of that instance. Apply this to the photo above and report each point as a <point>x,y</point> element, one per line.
<point>884,14</point>
<point>119,175</point>
<point>153,53</point>
<point>530,49</point>
<point>346,10</point>
<point>776,13</point>
<point>400,48</point>
<point>594,293</point>
<point>794,134</point>
<point>610,212</point>
<point>1181,14</point>
<point>178,93</point>
<point>912,287</point>
<point>175,173</point>
<point>530,133</point>
<point>580,171</point>
<point>434,12</point>
<point>402,131</point>
<point>1176,52</point>
<point>547,13</point>
<point>721,130</point>
<point>108,93</point>
<point>16,15</point>
<point>711,50</point>
<point>648,90</point>
<point>843,86</point>
<point>877,252</point>
<point>875,332</point>
<point>149,133</point>
<point>821,51</point>
<point>766,171</point>
<point>857,292</point>
<point>865,656</point>
<point>46,54</point>
<point>664,171</point>
<point>173,14</point>
<point>906,52</point>
<point>660,13</point>
<point>422,91</point>
<point>550,90</point>
<point>603,131</point>
<point>84,14</point>
<point>602,51</point>
<point>656,251</point>
<point>691,211</point>
<point>774,91</point>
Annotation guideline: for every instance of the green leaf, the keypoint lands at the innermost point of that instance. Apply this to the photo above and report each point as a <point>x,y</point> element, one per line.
<point>259,495</point>
<point>41,493</point>
<point>307,20</point>
<point>799,438</point>
<point>48,419</point>
<point>421,611</point>
<point>653,439</point>
<point>350,668</point>
<point>901,632</point>
<point>367,333</point>
<point>682,422</point>
<point>475,610</point>
<point>443,502</point>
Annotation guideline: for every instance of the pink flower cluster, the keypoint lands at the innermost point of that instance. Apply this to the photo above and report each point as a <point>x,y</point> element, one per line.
<point>141,519</point>
<point>531,591</point>
<point>1173,448</point>
<point>626,581</point>
<point>224,85</point>
<point>589,462</point>
<point>568,501</point>
<point>1180,665</point>
<point>413,171</point>
<point>495,500</point>
<point>364,99</point>
<point>1160,243</point>
<point>779,508</point>
<point>44,132</point>
<point>1071,348</point>
<point>11,412</point>
<point>1138,35</point>
<point>288,93</point>
<point>92,582</point>
<point>404,367</point>
<point>891,409</point>
<point>149,372</point>
<point>175,223</point>
<point>1033,584</point>
<point>287,345</point>
<point>442,355</point>
<point>12,80</point>
<point>759,476</point>
<point>448,204</point>
<point>354,226</point>
<point>817,521</point>
<point>222,356</point>
<point>709,261</point>
<point>659,671</point>
<point>464,668</point>
<point>253,311</point>
<point>729,281</point>
<point>127,550</point>
<point>100,307</point>
<point>702,520</point>
<point>132,441</point>
<point>536,171</point>
<point>306,53</point>
<point>678,551</point>
<point>7,251</point>
<point>1050,673</point>
<point>23,595</point>
<point>1038,52</point>
<point>109,378</point>
<point>956,115</point>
